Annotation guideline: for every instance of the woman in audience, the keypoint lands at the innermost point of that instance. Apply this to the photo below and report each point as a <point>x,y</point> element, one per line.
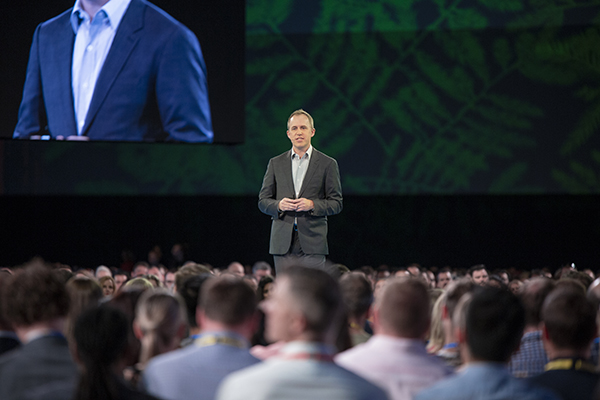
<point>265,287</point>
<point>107,284</point>
<point>436,331</point>
<point>84,293</point>
<point>101,337</point>
<point>126,301</point>
<point>160,324</point>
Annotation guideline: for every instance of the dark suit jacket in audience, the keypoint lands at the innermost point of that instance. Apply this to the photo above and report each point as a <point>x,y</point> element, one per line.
<point>43,361</point>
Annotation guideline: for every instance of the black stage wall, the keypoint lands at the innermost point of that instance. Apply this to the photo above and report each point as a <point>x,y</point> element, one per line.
<point>501,231</point>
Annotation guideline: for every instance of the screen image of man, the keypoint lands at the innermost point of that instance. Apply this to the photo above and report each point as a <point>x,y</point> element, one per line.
<point>117,70</point>
<point>300,189</point>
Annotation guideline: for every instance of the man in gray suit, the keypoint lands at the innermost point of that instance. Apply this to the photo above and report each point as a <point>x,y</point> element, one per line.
<point>300,189</point>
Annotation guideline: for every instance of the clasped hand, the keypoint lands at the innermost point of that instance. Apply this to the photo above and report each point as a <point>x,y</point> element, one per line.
<point>300,204</point>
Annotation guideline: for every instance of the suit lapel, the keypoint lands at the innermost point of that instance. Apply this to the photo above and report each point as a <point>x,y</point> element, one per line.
<point>124,42</point>
<point>287,172</point>
<point>63,59</point>
<point>312,167</point>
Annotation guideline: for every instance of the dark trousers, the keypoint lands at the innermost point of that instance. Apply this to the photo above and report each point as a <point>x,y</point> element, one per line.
<point>295,256</point>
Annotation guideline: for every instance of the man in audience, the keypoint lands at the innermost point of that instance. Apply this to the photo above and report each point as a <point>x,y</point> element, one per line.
<point>490,323</point>
<point>479,274</point>
<point>531,357</point>
<point>190,291</point>
<point>103,270</point>
<point>140,268</point>
<point>156,271</point>
<point>189,270</point>
<point>237,269</point>
<point>395,358</point>
<point>569,326</point>
<point>227,318</point>
<point>170,281</point>
<point>35,301</point>
<point>450,352</point>
<point>414,270</point>
<point>444,277</point>
<point>260,269</point>
<point>304,311</point>
<point>8,337</point>
<point>120,278</point>
<point>358,296</point>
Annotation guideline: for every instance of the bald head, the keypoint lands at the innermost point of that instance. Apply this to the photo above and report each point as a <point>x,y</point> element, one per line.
<point>403,308</point>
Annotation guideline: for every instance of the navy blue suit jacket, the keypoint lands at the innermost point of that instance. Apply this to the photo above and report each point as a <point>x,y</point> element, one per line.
<point>152,86</point>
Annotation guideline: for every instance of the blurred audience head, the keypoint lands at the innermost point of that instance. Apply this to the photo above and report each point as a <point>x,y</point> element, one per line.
<point>190,291</point>
<point>103,270</point>
<point>261,269</point>
<point>569,323</point>
<point>35,296</point>
<point>306,305</point>
<point>532,295</point>
<point>494,324</point>
<point>100,335</point>
<point>402,309</point>
<point>160,322</point>
<point>236,268</point>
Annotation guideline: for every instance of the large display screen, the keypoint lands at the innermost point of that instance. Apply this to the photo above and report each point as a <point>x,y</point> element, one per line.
<point>172,73</point>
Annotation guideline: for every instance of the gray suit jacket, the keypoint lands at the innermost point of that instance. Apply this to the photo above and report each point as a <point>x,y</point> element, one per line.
<point>321,184</point>
<point>43,362</point>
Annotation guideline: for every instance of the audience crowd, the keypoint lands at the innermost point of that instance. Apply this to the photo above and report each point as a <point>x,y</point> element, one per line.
<point>193,331</point>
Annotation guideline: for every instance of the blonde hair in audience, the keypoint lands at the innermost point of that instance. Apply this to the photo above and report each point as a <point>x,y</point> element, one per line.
<point>160,322</point>
<point>436,329</point>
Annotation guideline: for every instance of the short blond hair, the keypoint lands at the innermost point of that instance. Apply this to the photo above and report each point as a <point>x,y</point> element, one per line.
<point>301,112</point>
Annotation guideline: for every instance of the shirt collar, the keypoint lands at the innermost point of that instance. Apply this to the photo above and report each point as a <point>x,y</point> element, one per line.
<point>114,9</point>
<point>308,153</point>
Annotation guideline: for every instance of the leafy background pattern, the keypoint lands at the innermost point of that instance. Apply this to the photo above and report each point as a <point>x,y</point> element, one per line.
<point>410,96</point>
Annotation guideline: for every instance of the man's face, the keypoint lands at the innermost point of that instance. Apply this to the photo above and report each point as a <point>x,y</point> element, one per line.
<point>236,269</point>
<point>170,280</point>
<point>480,277</point>
<point>444,279</point>
<point>300,132</point>
<point>156,272</point>
<point>119,281</point>
<point>261,273</point>
<point>279,312</point>
<point>139,270</point>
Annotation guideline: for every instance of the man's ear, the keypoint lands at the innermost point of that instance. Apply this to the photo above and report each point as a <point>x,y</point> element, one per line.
<point>200,317</point>
<point>137,330</point>
<point>545,335</point>
<point>461,335</point>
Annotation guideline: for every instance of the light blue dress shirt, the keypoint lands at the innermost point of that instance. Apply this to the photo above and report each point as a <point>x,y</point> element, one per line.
<point>93,38</point>
<point>485,381</point>
<point>299,167</point>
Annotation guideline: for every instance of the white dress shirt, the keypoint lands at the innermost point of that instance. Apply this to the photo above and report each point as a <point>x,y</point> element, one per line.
<point>93,38</point>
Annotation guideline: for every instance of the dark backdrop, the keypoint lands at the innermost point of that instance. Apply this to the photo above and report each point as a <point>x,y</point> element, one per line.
<point>500,231</point>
